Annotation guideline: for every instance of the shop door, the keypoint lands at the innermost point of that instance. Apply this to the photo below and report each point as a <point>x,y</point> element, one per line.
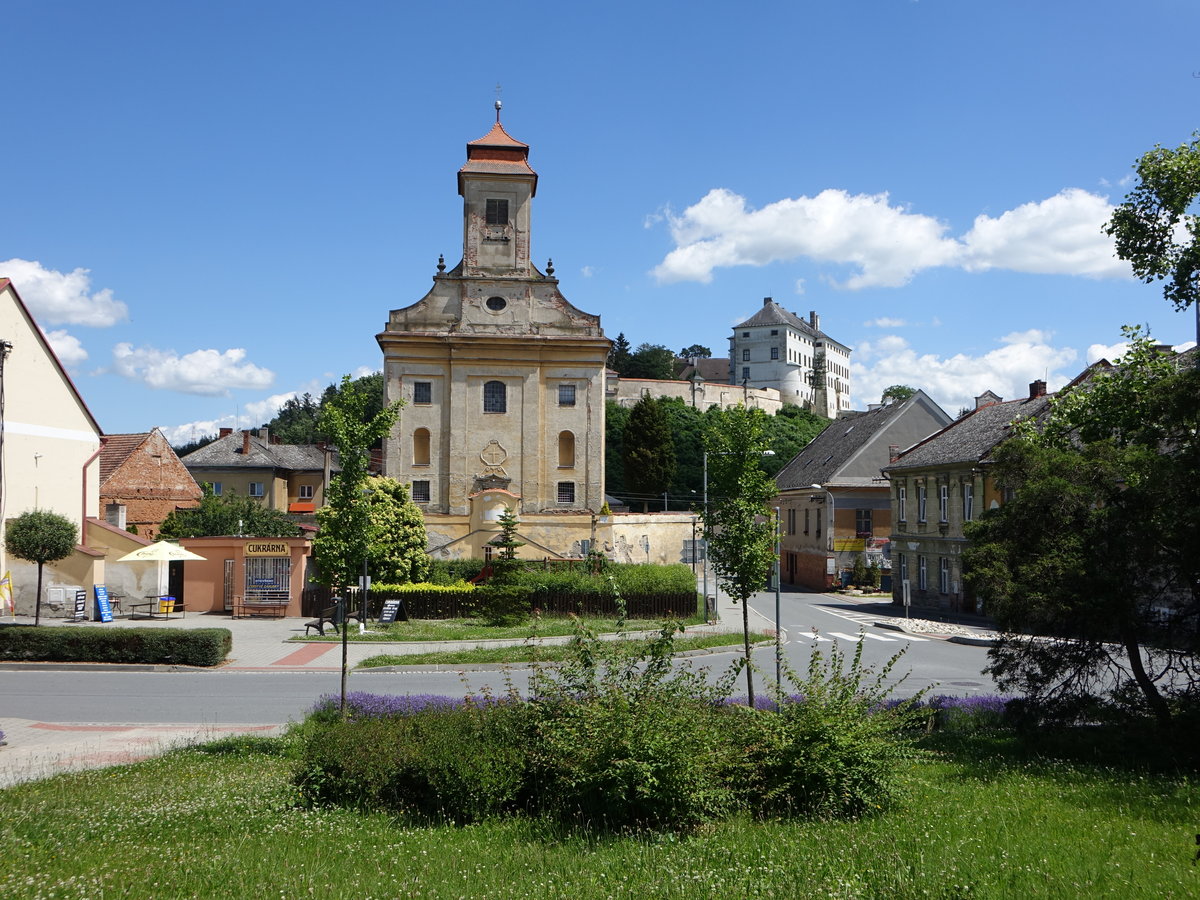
<point>268,579</point>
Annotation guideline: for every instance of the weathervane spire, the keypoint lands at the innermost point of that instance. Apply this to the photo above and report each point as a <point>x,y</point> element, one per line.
<point>498,103</point>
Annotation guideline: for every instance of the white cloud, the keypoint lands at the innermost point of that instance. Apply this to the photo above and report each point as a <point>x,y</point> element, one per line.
<point>1111,352</point>
<point>887,245</point>
<point>885,322</point>
<point>66,347</point>
<point>587,271</point>
<point>799,285</point>
<point>1058,236</point>
<point>209,373</point>
<point>60,298</point>
<point>190,431</point>
<point>955,381</point>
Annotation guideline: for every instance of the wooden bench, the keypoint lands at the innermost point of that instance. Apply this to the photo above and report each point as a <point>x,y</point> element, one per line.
<point>329,614</point>
<point>245,609</point>
<point>161,608</point>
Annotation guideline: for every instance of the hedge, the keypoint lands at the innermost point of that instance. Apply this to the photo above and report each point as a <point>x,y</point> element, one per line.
<point>169,646</point>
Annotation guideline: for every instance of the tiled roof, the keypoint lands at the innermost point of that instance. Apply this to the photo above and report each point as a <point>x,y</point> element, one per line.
<point>820,460</point>
<point>772,313</point>
<point>498,153</point>
<point>226,453</point>
<point>116,449</point>
<point>710,370</point>
<point>973,437</point>
<point>497,137</point>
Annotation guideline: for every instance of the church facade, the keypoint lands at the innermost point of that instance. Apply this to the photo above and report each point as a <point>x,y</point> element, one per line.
<point>502,379</point>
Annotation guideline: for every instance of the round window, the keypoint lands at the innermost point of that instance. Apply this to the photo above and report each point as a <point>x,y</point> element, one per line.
<point>496,304</point>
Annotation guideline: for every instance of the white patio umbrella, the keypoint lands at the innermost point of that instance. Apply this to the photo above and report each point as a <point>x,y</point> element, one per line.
<point>161,551</point>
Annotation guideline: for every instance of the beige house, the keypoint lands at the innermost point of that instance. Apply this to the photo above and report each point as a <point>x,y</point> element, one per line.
<point>502,379</point>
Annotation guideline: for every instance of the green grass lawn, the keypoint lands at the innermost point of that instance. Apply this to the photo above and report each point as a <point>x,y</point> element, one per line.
<point>478,629</point>
<point>546,653</point>
<point>198,823</point>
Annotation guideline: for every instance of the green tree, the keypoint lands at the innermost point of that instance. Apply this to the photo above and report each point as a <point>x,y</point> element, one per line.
<point>788,432</point>
<point>897,393</point>
<point>296,421</point>
<point>1099,546</point>
<point>695,351</point>
<point>229,514</point>
<point>345,533</point>
<point>398,552</point>
<point>649,450</point>
<point>40,536</point>
<point>737,524</point>
<point>616,417</point>
<point>1157,228</point>
<point>619,355</point>
<point>651,361</point>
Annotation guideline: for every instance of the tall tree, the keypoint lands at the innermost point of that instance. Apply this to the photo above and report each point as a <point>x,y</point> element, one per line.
<point>737,523</point>
<point>619,355</point>
<point>651,361</point>
<point>1157,228</point>
<point>695,351</point>
<point>229,514</point>
<point>616,417</point>
<point>40,536</point>
<point>649,450</point>
<point>345,530</point>
<point>398,552</point>
<point>296,421</point>
<point>1099,546</point>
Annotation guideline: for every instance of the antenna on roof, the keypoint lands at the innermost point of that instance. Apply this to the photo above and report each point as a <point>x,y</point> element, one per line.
<point>498,103</point>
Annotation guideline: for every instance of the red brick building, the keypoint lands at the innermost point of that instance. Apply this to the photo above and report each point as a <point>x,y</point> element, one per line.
<point>142,481</point>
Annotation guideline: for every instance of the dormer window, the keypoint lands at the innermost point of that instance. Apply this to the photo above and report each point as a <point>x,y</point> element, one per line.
<point>497,212</point>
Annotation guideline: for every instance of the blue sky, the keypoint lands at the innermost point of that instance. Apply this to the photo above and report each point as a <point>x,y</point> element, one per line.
<point>212,206</point>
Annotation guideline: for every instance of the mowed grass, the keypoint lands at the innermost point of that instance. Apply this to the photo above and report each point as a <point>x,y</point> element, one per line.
<point>203,824</point>
<point>478,629</point>
<point>524,653</point>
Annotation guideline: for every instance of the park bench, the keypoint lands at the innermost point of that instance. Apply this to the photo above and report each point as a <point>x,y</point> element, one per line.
<point>161,607</point>
<point>244,609</point>
<point>329,614</point>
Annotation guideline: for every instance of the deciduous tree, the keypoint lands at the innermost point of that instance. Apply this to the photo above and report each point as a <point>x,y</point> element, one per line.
<point>229,514</point>
<point>40,536</point>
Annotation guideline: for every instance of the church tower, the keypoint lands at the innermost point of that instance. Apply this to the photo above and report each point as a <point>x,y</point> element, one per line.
<point>502,378</point>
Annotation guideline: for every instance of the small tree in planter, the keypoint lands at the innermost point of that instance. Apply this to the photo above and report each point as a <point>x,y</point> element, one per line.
<point>40,536</point>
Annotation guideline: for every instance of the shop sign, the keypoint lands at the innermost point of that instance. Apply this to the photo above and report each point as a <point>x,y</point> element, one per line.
<point>268,548</point>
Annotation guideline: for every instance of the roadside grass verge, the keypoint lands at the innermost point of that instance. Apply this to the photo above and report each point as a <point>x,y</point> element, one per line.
<point>479,629</point>
<point>529,653</point>
<point>222,821</point>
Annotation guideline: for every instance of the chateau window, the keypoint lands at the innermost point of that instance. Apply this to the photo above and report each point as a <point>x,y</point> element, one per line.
<point>421,447</point>
<point>745,373</point>
<point>422,392</point>
<point>495,397</point>
<point>745,356</point>
<point>256,489</point>
<point>420,491</point>
<point>306,492</point>
<point>566,492</point>
<point>497,212</point>
<point>774,353</point>
<point>566,395</point>
<point>774,332</point>
<point>566,450</point>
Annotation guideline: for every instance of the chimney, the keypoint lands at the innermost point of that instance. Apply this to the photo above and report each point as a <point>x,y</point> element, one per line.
<point>893,452</point>
<point>265,434</point>
<point>814,320</point>
<point>1037,389</point>
<point>225,432</point>
<point>246,442</point>
<point>766,301</point>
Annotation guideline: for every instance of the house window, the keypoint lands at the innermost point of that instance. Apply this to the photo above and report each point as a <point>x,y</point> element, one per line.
<point>566,395</point>
<point>566,492</point>
<point>745,356</point>
<point>818,523</point>
<point>306,492</point>
<point>774,353</point>
<point>421,447</point>
<point>862,523</point>
<point>256,489</point>
<point>943,502</point>
<point>806,512</point>
<point>943,575</point>
<point>497,212</point>
<point>791,526</point>
<point>921,503</point>
<point>902,502</point>
<point>922,581</point>
<point>968,502</point>
<point>216,486</point>
<point>566,450</point>
<point>495,397</point>
<point>422,392</point>
<point>420,491</point>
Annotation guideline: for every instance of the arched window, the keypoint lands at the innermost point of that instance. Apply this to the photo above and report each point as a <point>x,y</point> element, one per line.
<point>495,397</point>
<point>566,450</point>
<point>421,447</point>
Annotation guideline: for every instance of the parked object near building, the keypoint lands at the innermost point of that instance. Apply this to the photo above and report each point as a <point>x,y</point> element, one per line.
<point>142,481</point>
<point>777,349</point>
<point>502,379</point>
<point>833,497</point>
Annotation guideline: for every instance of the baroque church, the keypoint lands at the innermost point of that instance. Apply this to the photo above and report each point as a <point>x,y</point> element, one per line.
<point>502,379</point>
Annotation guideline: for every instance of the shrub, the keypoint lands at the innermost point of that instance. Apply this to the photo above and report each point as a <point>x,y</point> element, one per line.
<point>505,604</point>
<point>162,646</point>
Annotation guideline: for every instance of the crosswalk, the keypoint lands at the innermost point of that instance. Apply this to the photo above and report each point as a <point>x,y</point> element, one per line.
<point>828,636</point>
